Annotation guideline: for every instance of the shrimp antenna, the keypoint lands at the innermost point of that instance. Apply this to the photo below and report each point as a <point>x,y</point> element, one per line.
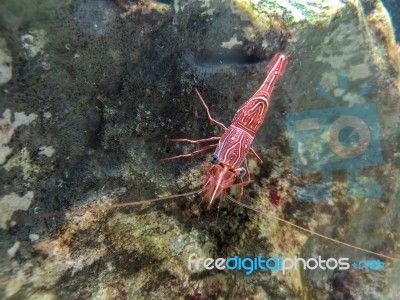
<point>311,231</point>
<point>101,207</point>
<point>71,212</point>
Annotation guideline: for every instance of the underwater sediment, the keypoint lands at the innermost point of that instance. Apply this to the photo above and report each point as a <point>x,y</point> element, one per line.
<point>91,90</point>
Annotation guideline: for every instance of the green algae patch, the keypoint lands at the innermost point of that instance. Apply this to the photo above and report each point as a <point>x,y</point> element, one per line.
<point>266,15</point>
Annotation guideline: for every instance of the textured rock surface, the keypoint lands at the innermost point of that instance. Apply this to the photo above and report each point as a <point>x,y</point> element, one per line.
<point>106,82</point>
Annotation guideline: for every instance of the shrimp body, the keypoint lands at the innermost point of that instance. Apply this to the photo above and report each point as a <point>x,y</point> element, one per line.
<point>235,143</point>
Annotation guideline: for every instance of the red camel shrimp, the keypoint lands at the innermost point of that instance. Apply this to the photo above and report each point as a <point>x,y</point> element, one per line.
<point>229,158</point>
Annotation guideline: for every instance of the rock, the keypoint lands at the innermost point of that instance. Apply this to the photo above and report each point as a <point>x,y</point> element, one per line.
<point>11,252</point>
<point>46,151</point>
<point>13,202</point>
<point>107,82</point>
<point>5,62</point>
<point>7,130</point>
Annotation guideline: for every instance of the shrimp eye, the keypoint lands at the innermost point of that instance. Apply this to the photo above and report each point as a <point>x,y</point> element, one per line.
<point>242,172</point>
<point>214,159</point>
